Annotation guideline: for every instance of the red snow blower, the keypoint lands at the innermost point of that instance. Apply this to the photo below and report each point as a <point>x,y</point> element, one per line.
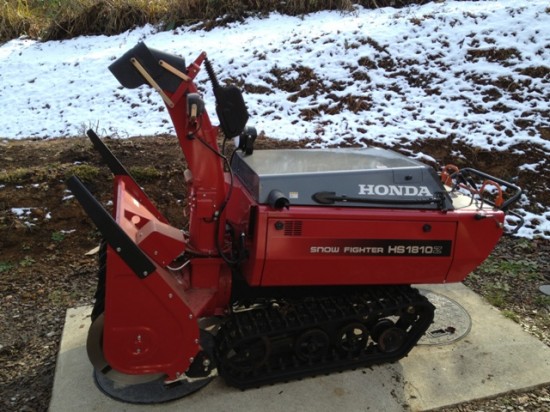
<point>295,262</point>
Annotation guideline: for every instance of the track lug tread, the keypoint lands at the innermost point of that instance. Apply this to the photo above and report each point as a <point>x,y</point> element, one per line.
<point>288,319</point>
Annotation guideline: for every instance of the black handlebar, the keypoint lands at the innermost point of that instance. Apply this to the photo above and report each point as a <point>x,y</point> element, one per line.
<point>463,173</point>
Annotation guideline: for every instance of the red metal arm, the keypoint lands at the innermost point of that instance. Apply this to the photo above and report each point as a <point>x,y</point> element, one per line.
<point>206,190</point>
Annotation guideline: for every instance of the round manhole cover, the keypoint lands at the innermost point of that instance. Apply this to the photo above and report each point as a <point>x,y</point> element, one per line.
<point>451,321</point>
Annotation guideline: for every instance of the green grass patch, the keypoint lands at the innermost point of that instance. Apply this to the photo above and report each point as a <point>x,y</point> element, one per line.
<point>84,172</point>
<point>48,172</point>
<point>146,173</point>
<point>542,301</point>
<point>16,176</point>
<point>511,315</point>
<point>58,236</point>
<point>26,262</point>
<point>497,297</point>
<point>524,268</point>
<point>61,298</point>
<point>5,267</point>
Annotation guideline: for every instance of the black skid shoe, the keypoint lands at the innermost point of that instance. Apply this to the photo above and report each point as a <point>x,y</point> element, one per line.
<point>150,392</point>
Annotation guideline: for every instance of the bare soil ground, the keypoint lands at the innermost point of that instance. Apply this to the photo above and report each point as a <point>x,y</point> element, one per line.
<point>44,235</point>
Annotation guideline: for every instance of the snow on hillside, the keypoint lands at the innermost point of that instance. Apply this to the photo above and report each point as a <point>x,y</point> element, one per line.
<point>473,71</point>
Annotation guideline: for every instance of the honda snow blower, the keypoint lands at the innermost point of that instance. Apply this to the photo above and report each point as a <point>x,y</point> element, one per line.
<point>295,262</point>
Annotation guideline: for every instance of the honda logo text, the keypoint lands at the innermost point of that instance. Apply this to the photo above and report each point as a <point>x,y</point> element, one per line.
<point>394,190</point>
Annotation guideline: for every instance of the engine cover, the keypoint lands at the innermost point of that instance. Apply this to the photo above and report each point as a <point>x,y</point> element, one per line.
<point>370,177</point>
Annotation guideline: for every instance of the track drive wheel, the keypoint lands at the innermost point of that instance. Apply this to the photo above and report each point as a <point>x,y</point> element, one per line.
<point>248,356</point>
<point>139,389</point>
<point>389,337</point>
<point>312,345</point>
<point>353,338</point>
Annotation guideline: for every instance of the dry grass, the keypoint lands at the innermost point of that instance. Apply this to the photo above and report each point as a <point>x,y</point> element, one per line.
<point>17,18</point>
<point>62,19</point>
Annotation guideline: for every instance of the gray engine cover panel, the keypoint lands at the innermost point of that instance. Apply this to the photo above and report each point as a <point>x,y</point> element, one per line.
<point>356,173</point>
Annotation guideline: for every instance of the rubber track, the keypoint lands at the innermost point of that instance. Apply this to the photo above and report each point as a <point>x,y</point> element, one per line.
<point>278,326</point>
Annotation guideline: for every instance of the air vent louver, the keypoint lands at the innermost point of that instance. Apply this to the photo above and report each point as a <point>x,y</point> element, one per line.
<point>293,228</point>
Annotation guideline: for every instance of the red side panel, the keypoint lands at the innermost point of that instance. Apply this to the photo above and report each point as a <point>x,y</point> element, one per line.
<point>362,251</point>
<point>149,327</point>
<point>151,323</point>
<point>476,238</point>
<point>360,246</point>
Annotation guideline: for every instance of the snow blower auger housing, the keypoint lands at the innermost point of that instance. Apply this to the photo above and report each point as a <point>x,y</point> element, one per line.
<point>295,262</point>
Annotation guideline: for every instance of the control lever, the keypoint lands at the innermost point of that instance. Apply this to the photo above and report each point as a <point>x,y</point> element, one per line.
<point>230,105</point>
<point>195,106</point>
<point>246,140</point>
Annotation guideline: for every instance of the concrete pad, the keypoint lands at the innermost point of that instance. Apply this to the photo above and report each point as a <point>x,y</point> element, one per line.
<point>494,358</point>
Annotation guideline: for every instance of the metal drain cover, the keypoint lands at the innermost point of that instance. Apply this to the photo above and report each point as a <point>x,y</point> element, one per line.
<point>451,321</point>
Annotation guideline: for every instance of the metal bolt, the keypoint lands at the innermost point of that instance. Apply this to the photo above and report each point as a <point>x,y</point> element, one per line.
<point>139,338</point>
<point>138,351</point>
<point>118,249</point>
<point>191,359</point>
<point>145,273</point>
<point>156,252</point>
<point>197,341</point>
<point>190,316</point>
<point>206,363</point>
<point>170,296</point>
